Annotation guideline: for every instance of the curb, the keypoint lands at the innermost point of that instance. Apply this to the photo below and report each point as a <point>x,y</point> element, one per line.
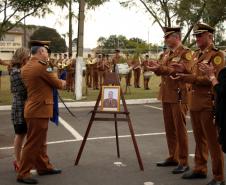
<point>92,103</point>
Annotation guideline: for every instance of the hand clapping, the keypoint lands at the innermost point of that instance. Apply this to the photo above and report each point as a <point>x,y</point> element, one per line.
<point>153,65</point>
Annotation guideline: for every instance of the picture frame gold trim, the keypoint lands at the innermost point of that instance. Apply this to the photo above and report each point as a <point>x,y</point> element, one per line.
<point>115,105</point>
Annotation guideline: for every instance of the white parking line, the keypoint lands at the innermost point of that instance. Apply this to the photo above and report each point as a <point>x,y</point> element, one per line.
<point>98,138</point>
<point>159,108</point>
<point>70,129</point>
<point>154,107</point>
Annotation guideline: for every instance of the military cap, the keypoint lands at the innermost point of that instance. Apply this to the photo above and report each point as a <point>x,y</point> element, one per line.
<point>170,30</point>
<point>201,28</point>
<point>39,43</point>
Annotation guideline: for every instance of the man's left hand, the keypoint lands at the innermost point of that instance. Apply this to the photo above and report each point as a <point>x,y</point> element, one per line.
<point>179,68</point>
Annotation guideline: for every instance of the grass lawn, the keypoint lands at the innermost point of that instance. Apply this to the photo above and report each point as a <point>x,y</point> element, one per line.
<point>132,93</point>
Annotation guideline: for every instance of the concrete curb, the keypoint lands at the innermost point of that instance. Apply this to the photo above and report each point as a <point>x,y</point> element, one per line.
<point>92,103</point>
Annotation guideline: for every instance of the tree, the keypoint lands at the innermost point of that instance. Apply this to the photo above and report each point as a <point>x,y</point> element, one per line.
<point>57,45</point>
<point>121,42</point>
<point>71,15</point>
<point>12,12</point>
<point>183,12</point>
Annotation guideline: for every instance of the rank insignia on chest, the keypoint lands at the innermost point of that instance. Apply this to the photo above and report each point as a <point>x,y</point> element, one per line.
<point>49,69</point>
<point>217,60</point>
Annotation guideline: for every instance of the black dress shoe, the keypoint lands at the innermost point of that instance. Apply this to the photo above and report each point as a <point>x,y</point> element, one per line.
<point>180,169</point>
<point>167,163</point>
<point>49,172</point>
<point>214,182</point>
<point>27,180</point>
<point>193,175</point>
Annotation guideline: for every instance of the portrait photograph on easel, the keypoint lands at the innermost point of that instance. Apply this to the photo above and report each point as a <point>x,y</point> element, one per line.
<point>110,99</point>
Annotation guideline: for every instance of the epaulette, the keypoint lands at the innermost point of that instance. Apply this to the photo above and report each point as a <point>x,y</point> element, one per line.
<point>198,49</point>
<point>43,62</point>
<point>185,47</point>
<point>215,49</point>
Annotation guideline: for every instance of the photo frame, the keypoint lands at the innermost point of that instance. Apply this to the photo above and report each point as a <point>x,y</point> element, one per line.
<point>110,98</point>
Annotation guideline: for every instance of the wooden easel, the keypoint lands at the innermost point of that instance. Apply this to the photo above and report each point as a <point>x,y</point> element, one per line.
<point>111,79</point>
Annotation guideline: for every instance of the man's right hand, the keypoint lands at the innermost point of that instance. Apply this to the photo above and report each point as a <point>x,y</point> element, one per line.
<point>178,67</point>
<point>153,66</point>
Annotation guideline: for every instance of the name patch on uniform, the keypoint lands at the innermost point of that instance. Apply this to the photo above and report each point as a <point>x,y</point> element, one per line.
<point>217,60</point>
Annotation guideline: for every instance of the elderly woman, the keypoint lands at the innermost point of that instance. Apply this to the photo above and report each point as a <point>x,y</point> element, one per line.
<point>219,86</point>
<point>19,95</point>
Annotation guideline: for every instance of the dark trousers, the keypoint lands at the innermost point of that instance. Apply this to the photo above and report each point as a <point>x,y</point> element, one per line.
<point>34,153</point>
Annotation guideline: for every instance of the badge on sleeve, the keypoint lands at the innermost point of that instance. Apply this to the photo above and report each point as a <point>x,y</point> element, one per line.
<point>188,56</point>
<point>49,69</point>
<point>217,60</point>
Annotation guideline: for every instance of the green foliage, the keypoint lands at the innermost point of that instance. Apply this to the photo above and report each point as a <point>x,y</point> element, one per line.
<point>57,45</point>
<point>90,3</point>
<point>14,11</point>
<point>183,12</point>
<point>121,42</point>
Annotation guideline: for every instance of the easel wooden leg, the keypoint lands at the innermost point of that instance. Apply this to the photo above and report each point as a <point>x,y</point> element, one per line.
<point>135,143</point>
<point>84,140</point>
<point>116,133</point>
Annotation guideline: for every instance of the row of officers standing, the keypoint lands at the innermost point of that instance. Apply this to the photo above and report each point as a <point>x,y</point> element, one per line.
<point>185,85</point>
<point>65,66</point>
<point>96,68</point>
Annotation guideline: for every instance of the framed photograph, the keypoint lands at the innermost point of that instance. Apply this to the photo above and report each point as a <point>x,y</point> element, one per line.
<point>110,99</point>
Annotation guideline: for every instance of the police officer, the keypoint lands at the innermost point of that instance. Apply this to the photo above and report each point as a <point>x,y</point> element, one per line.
<point>201,107</point>
<point>146,73</point>
<point>116,59</point>
<point>136,63</point>
<point>89,71</point>
<point>174,99</point>
<point>39,80</point>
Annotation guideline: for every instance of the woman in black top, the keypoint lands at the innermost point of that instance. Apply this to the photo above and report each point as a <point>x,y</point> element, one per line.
<point>19,95</point>
<point>219,86</point>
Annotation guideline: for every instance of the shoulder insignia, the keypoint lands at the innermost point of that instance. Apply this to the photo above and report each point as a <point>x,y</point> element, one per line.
<point>215,49</point>
<point>217,60</point>
<point>42,62</point>
<point>188,56</point>
<point>198,49</point>
<point>185,47</point>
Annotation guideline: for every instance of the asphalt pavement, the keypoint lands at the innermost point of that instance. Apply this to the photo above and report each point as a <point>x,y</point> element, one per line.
<point>99,164</point>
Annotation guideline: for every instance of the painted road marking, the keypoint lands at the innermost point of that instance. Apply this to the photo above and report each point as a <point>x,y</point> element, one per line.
<point>192,155</point>
<point>159,108</point>
<point>70,129</point>
<point>98,138</point>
